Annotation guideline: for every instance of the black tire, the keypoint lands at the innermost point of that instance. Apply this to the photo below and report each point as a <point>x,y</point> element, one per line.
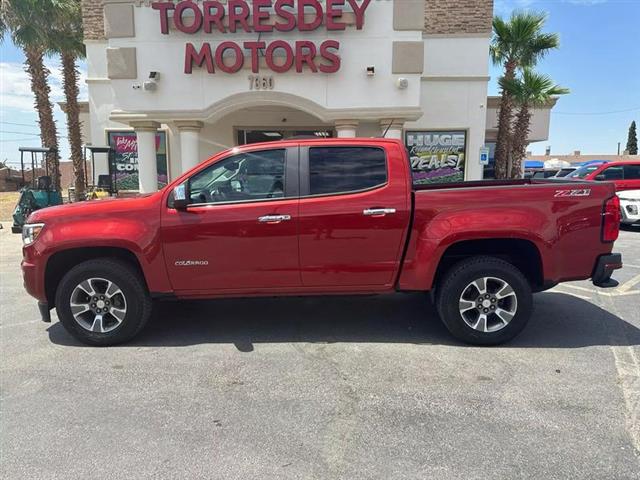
<point>133,289</point>
<point>458,279</point>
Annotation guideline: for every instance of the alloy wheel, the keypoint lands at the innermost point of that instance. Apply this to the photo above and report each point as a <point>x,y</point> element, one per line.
<point>488,304</point>
<point>98,305</point>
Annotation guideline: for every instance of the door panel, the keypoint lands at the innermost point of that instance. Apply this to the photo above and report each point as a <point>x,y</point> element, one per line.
<point>241,230</point>
<point>240,251</point>
<point>343,242</point>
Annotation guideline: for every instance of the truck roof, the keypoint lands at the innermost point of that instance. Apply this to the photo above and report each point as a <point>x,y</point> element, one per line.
<point>321,141</point>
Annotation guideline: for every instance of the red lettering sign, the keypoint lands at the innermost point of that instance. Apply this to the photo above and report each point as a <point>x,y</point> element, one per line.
<point>211,16</point>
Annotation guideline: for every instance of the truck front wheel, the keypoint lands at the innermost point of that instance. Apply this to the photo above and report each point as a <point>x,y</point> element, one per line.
<point>103,302</point>
<point>484,300</point>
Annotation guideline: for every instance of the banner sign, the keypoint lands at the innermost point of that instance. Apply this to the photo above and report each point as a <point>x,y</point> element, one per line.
<point>437,156</point>
<point>125,145</point>
<point>257,17</point>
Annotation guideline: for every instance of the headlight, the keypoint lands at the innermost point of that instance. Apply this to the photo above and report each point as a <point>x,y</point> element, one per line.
<point>30,232</point>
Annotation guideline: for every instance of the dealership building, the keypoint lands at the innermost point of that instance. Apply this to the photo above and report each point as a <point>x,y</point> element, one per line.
<point>172,83</point>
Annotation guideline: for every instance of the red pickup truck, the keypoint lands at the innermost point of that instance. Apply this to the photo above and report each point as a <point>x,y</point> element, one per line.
<point>320,217</point>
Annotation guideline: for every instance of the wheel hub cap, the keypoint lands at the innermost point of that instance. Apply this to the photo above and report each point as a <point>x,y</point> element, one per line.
<point>98,305</point>
<point>488,304</point>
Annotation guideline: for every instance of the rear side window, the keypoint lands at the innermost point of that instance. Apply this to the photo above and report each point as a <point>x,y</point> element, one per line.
<point>613,173</point>
<point>631,172</point>
<point>345,169</point>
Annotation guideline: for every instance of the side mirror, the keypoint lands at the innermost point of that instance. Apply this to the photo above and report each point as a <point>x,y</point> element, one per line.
<point>180,201</point>
<point>600,178</point>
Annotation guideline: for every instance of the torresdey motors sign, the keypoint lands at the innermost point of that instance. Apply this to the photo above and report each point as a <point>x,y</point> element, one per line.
<point>436,156</point>
<point>258,16</point>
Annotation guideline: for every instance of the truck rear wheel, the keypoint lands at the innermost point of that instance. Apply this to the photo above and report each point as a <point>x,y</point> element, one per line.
<point>484,301</point>
<point>103,302</point>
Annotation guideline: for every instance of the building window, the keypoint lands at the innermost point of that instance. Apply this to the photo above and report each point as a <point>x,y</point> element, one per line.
<point>246,137</point>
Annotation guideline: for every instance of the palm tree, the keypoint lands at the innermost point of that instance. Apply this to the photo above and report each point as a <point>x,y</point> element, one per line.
<point>66,40</point>
<point>516,43</point>
<point>531,90</point>
<point>27,21</point>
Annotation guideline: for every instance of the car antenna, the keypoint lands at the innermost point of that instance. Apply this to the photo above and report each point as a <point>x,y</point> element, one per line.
<point>384,135</point>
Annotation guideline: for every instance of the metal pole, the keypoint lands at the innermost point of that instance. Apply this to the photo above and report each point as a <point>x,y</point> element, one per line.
<point>22,166</point>
<point>93,168</point>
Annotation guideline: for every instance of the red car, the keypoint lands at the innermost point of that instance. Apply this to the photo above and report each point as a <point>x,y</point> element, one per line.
<point>320,217</point>
<point>625,175</point>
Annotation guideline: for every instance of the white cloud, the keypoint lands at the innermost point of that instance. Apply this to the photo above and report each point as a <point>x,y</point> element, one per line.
<point>505,7</point>
<point>15,86</point>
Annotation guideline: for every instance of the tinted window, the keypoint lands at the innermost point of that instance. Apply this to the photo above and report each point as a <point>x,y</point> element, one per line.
<point>631,172</point>
<point>244,177</point>
<point>612,173</point>
<point>345,169</point>
<point>564,172</point>
<point>583,171</point>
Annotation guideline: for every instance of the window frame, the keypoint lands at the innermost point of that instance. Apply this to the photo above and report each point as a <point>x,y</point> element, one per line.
<point>305,172</point>
<point>630,166</point>
<point>291,179</point>
<point>611,167</point>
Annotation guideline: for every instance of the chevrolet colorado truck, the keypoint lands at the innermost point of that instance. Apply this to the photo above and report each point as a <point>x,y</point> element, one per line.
<point>320,217</point>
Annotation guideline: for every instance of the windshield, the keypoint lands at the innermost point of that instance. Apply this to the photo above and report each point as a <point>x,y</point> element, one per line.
<point>583,171</point>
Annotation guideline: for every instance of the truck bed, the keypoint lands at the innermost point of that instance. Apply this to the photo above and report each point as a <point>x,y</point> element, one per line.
<point>492,183</point>
<point>562,219</point>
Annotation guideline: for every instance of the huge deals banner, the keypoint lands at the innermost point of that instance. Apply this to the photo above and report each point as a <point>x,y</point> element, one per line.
<point>437,156</point>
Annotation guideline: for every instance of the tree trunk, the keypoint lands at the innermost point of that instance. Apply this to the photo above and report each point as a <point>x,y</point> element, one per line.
<point>71,92</point>
<point>39,74</point>
<point>505,117</point>
<point>520,136</point>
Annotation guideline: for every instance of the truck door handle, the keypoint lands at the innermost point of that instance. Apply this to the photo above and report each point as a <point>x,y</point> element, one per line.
<point>274,218</point>
<point>378,212</point>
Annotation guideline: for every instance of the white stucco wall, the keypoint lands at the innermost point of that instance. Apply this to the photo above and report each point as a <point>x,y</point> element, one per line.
<point>454,92</point>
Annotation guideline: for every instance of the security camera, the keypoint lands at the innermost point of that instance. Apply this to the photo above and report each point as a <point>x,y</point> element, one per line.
<point>402,83</point>
<point>154,76</point>
<point>371,71</point>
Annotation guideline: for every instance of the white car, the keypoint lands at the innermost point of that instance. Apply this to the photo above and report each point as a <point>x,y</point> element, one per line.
<point>630,206</point>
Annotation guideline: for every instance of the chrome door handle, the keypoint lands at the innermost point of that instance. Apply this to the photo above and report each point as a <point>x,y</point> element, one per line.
<point>274,218</point>
<point>378,212</point>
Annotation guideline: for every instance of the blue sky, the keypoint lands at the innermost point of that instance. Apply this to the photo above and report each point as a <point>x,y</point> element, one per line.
<point>599,60</point>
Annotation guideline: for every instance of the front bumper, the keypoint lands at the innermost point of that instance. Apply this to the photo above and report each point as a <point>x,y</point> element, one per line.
<point>605,265</point>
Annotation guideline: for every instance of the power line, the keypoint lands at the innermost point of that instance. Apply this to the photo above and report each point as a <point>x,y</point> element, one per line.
<point>18,124</point>
<point>610,112</point>
<point>19,133</point>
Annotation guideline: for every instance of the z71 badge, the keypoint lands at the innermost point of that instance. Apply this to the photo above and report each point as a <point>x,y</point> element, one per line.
<point>583,192</point>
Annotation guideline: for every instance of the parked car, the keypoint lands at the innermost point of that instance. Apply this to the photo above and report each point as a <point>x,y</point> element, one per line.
<point>630,206</point>
<point>625,175</point>
<point>320,217</point>
<point>564,171</point>
<point>544,173</point>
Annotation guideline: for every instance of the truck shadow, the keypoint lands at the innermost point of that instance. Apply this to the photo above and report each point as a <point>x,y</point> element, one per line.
<point>559,321</point>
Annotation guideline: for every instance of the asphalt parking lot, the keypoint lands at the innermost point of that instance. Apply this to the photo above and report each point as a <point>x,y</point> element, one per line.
<point>339,388</point>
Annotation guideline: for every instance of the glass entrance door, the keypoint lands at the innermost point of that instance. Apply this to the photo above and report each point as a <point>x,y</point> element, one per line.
<point>247,136</point>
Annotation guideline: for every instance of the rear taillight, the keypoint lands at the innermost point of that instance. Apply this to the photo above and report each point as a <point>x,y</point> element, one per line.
<point>611,219</point>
